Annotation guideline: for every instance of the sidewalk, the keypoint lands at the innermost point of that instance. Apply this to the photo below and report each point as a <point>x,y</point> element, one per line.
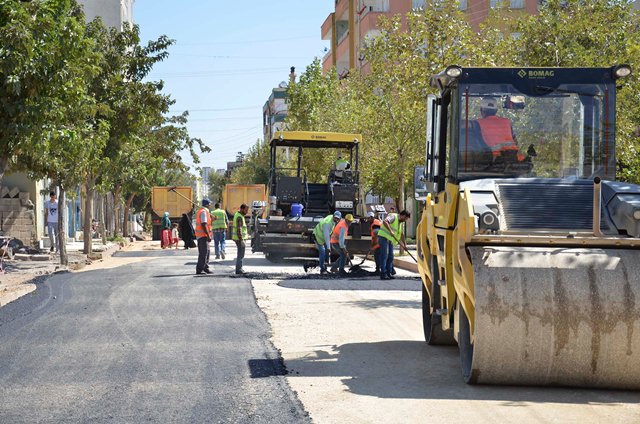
<point>26,269</point>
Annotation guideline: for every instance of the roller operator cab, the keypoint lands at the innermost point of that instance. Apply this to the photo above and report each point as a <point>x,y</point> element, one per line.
<point>298,198</point>
<point>528,248</point>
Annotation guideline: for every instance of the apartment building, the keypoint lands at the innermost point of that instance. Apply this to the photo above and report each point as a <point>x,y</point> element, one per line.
<point>114,13</point>
<point>353,21</point>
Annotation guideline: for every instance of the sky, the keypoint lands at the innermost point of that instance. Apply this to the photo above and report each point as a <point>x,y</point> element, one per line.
<point>227,58</point>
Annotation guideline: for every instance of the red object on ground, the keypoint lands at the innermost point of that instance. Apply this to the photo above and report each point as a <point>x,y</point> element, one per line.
<point>165,240</point>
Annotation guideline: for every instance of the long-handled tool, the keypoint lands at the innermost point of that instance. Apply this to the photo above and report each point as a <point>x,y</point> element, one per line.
<point>357,266</point>
<point>406,249</point>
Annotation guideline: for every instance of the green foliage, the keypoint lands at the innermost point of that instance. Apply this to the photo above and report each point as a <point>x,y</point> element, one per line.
<point>216,186</point>
<point>255,166</point>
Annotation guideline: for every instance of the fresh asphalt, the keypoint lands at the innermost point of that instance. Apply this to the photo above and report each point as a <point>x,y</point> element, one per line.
<point>145,342</point>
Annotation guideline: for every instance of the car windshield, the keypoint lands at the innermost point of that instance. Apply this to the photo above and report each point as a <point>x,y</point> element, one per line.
<point>555,132</point>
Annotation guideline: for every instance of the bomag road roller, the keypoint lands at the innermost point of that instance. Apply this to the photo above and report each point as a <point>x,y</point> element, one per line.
<point>529,250</point>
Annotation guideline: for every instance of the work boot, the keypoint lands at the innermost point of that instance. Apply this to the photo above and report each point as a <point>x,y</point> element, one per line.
<point>217,256</point>
<point>223,256</point>
<point>393,272</point>
<point>384,276</point>
<point>208,271</point>
<point>323,272</point>
<point>240,271</point>
<point>390,276</point>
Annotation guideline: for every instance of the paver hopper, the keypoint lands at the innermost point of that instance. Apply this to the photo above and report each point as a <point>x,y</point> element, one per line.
<point>529,250</point>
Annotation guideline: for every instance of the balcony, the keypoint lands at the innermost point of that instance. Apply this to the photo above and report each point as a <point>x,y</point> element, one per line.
<point>342,9</point>
<point>327,27</point>
<point>369,21</point>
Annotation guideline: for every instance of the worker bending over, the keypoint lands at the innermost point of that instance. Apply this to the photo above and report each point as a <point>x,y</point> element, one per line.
<point>339,243</point>
<point>322,234</point>
<point>390,235</point>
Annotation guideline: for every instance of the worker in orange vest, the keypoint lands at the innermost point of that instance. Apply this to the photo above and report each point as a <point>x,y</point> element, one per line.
<point>339,243</point>
<point>375,225</point>
<point>496,131</point>
<point>203,235</point>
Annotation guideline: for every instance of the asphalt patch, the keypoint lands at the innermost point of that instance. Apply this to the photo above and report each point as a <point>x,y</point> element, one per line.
<point>399,284</point>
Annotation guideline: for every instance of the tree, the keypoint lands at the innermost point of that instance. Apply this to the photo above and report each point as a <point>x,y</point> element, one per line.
<point>57,146</point>
<point>255,165</point>
<point>216,186</point>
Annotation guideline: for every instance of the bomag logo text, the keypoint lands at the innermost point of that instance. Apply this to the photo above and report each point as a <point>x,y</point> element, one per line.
<point>540,74</point>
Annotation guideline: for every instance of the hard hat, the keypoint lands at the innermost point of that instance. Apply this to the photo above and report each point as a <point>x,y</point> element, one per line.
<point>489,103</point>
<point>206,202</point>
<point>371,215</point>
<point>166,214</point>
<point>349,217</point>
<point>337,214</point>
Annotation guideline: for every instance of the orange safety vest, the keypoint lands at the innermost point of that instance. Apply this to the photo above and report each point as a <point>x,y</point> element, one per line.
<point>497,134</point>
<point>199,231</point>
<point>374,237</point>
<point>335,235</point>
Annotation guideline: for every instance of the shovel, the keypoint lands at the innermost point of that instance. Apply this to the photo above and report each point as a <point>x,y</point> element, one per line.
<point>357,267</point>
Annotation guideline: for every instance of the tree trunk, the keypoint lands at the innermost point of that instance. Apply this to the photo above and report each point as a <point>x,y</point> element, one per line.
<point>127,208</point>
<point>88,218</point>
<point>102,225</point>
<point>4,164</point>
<point>400,203</point>
<point>62,230</point>
<point>116,210</point>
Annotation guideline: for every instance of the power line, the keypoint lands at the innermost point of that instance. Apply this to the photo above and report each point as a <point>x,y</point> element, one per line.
<point>215,110</point>
<point>246,41</point>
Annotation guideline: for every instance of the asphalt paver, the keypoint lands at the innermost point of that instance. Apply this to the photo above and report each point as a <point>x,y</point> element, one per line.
<point>145,342</point>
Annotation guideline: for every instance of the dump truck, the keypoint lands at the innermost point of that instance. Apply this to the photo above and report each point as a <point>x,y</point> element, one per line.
<point>235,195</point>
<point>175,200</point>
<point>297,202</point>
<point>528,247</point>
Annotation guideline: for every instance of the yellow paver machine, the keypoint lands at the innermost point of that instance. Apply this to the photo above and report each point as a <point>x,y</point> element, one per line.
<point>528,248</point>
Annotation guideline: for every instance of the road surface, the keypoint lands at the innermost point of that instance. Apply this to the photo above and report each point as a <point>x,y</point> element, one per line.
<point>145,342</point>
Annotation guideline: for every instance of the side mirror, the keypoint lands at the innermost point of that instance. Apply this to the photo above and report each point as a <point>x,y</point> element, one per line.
<point>420,183</point>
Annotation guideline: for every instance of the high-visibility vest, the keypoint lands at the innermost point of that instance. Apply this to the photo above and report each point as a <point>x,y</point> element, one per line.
<point>243,229</point>
<point>335,235</point>
<point>497,134</point>
<point>375,227</point>
<point>395,226</point>
<point>219,220</point>
<point>318,231</point>
<point>341,164</point>
<point>199,231</point>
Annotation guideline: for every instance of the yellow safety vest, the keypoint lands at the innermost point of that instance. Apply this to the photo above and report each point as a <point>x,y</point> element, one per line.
<point>395,226</point>
<point>219,220</point>
<point>243,230</point>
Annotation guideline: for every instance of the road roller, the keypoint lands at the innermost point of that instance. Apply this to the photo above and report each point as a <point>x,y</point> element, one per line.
<point>528,247</point>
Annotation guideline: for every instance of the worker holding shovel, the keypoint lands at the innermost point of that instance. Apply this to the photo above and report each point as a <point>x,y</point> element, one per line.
<point>390,235</point>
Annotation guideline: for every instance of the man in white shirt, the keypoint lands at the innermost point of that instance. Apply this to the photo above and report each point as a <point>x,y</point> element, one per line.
<point>51,219</point>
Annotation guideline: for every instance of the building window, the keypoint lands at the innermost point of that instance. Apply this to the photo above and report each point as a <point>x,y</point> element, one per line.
<point>513,4</point>
<point>463,5</point>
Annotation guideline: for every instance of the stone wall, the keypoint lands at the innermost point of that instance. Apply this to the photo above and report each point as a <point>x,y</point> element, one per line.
<point>17,217</point>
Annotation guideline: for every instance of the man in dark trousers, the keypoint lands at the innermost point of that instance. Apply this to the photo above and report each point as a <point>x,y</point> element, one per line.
<point>203,235</point>
<point>239,235</point>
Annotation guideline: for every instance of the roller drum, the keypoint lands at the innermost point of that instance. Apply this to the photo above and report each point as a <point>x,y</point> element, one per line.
<point>556,316</point>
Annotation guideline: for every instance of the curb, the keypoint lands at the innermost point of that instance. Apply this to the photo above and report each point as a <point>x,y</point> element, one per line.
<point>405,264</point>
